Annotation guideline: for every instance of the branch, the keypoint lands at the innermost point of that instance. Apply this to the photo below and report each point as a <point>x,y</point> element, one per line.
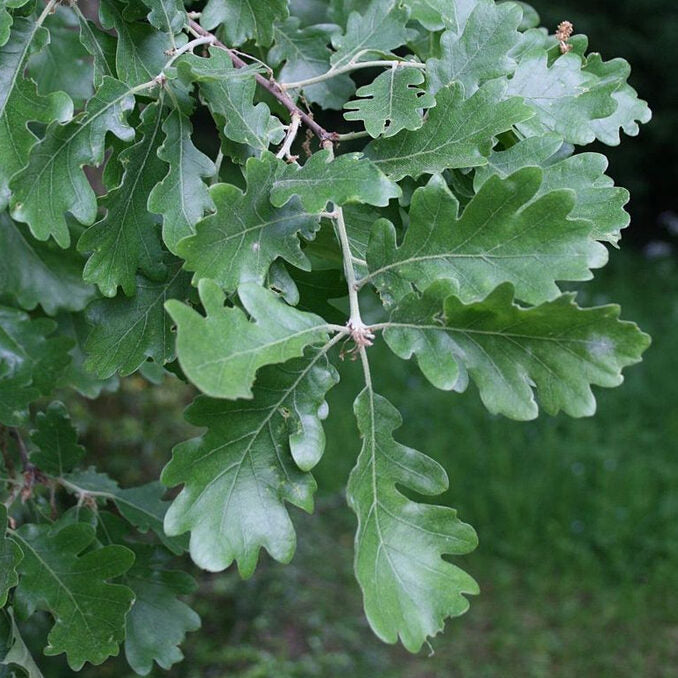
<point>270,86</point>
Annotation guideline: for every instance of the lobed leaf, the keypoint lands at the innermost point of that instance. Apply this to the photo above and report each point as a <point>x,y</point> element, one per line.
<point>10,557</point>
<point>244,19</point>
<point>458,132</point>
<point>408,588</point>
<point>57,441</point>
<point>504,231</point>
<point>238,476</point>
<point>221,353</point>
<point>348,178</point>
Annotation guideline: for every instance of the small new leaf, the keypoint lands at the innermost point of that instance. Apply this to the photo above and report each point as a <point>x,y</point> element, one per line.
<point>348,178</point>
<point>221,353</point>
<point>393,102</point>
<point>238,475</point>
<point>408,588</point>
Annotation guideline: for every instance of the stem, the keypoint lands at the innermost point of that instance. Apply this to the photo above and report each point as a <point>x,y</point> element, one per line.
<point>49,9</point>
<point>189,47</point>
<point>355,319</point>
<point>23,452</point>
<point>334,72</point>
<point>217,163</point>
<point>270,86</point>
<point>349,136</point>
<point>285,151</point>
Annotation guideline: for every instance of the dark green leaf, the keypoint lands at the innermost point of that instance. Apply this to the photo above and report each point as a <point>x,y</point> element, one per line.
<point>10,556</point>
<point>242,20</point>
<point>57,441</point>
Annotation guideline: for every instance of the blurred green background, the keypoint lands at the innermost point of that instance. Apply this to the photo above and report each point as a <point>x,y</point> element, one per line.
<point>578,520</point>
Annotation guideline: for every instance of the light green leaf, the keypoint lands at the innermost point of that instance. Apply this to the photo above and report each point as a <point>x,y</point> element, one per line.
<point>126,331</point>
<point>408,588</point>
<point>458,132</point>
<point>70,586</point>
<point>597,198</point>
<point>31,362</point>
<point>392,103</point>
<point>238,475</point>
<point>47,66</point>
<point>101,46</point>
<point>34,273</point>
<point>565,98</point>
<point>54,182</point>
<point>242,20</point>
<point>127,239</point>
<point>552,353</point>
<point>630,109</point>
<point>348,178</point>
<point>435,15</point>
<point>158,621</point>
<point>142,506</point>
<point>505,234</point>
<point>182,197</point>
<point>20,102</point>
<point>6,19</point>
<point>246,234</point>
<point>221,353</point>
<point>57,441</point>
<point>479,53</point>
<point>229,93</point>
<point>380,28</point>
<point>306,54</point>
<point>10,556</point>
<point>167,15</point>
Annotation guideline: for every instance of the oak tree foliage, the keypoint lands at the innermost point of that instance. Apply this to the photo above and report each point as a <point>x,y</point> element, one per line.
<point>428,151</point>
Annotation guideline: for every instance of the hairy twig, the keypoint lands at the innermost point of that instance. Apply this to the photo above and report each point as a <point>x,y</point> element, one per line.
<point>270,85</point>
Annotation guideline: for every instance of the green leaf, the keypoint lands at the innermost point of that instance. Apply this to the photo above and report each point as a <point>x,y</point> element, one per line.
<point>126,331</point>
<point>182,197</point>
<point>140,48</point>
<point>70,586</point>
<point>597,198</point>
<point>479,53</point>
<point>503,232</point>
<point>20,102</point>
<point>348,178</point>
<point>246,234</point>
<point>34,273</point>
<point>158,621</point>
<point>6,19</point>
<point>229,93</point>
<point>515,355</point>
<point>167,15</point>
<point>306,54</point>
<point>408,588</point>
<point>127,239</point>
<point>242,20</point>
<point>435,15</point>
<point>10,557</point>
<point>565,98</point>
<point>57,441</point>
<point>238,475</point>
<point>221,353</point>
<point>381,28</point>
<point>142,506</point>
<point>54,181</point>
<point>31,362</point>
<point>393,102</point>
<point>18,654</point>
<point>47,66</point>
<point>630,109</point>
<point>101,46</point>
<point>458,132</point>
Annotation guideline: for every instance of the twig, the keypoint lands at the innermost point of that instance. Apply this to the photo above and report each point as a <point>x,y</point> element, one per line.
<point>23,451</point>
<point>270,86</point>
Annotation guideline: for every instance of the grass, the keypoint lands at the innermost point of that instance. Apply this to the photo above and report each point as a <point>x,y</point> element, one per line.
<point>578,526</point>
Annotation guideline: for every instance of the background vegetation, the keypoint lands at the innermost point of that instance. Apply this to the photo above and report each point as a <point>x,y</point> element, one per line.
<point>578,520</point>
